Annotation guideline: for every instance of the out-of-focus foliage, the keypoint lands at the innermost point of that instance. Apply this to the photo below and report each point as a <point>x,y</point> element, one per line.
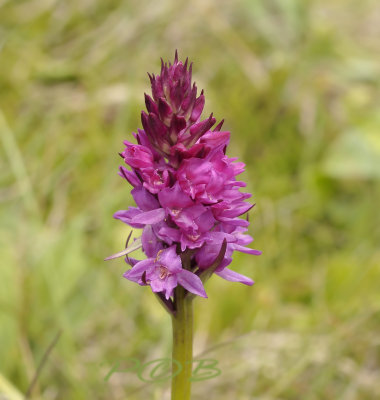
<point>297,82</point>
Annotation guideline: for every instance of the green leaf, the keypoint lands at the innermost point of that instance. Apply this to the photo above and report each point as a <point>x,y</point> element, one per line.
<point>8,391</point>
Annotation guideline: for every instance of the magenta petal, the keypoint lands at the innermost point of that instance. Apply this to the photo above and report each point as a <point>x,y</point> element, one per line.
<point>206,255</point>
<point>198,129</point>
<point>169,234</point>
<point>233,276</point>
<point>185,219</point>
<point>127,215</point>
<point>145,200</point>
<point>171,283</point>
<point>170,259</point>
<point>149,217</point>
<point>137,156</point>
<point>131,261</point>
<point>157,285</point>
<point>130,176</point>
<point>150,244</point>
<point>218,237</point>
<point>234,221</point>
<point>216,138</point>
<point>205,221</point>
<point>191,282</point>
<point>198,108</point>
<point>246,250</point>
<point>237,209</point>
<point>136,272</point>
<point>174,198</point>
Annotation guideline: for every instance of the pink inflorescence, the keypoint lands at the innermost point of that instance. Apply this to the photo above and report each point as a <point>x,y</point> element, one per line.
<point>185,188</point>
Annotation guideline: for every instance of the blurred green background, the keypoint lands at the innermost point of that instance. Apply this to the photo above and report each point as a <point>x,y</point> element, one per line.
<point>297,82</point>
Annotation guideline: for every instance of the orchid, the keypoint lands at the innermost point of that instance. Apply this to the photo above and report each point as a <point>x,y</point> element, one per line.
<point>185,186</point>
<point>188,199</point>
<point>164,272</point>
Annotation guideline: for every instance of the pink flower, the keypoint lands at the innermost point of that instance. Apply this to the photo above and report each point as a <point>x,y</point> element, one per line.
<point>164,272</point>
<point>188,200</point>
<point>137,156</point>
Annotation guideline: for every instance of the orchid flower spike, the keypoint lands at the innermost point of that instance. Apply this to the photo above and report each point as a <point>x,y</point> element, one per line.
<point>188,200</point>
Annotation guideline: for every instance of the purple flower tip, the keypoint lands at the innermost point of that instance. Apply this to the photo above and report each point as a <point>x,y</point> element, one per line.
<point>185,188</point>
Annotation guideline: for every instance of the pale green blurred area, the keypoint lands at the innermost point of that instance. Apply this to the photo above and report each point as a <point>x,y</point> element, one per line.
<point>298,85</point>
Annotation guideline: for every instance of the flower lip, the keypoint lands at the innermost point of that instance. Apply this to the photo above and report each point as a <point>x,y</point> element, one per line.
<point>163,272</point>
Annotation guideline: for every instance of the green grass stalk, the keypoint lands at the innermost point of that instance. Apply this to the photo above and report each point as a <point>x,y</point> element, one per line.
<point>182,322</point>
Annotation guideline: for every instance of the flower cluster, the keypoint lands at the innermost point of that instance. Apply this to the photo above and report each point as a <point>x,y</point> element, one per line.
<point>185,188</point>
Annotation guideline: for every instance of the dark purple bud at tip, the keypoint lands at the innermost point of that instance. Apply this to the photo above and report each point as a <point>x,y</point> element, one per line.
<point>178,123</point>
<point>199,129</point>
<point>164,109</point>
<point>151,106</point>
<point>157,127</point>
<point>176,56</point>
<point>144,121</point>
<point>198,108</point>
<point>219,126</point>
<point>189,100</point>
<point>176,96</point>
<point>150,78</point>
<point>157,89</point>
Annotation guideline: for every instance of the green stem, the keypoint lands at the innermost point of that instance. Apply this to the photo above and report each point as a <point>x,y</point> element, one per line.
<point>182,322</point>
